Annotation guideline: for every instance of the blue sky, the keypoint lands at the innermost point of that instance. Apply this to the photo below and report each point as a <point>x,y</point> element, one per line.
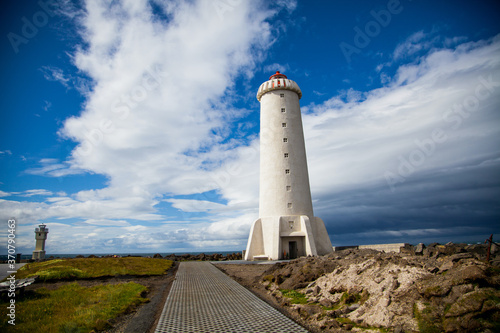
<point>132,126</point>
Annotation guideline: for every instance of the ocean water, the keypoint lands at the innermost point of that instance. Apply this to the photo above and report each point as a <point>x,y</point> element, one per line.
<point>163,254</point>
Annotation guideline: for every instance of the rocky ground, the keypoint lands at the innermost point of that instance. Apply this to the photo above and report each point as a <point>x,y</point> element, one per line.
<point>441,288</point>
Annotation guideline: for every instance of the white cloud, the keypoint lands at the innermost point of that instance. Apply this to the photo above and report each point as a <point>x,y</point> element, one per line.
<point>51,73</point>
<point>30,193</point>
<point>105,223</point>
<point>46,105</point>
<point>143,116</point>
<point>413,44</point>
<point>195,205</point>
<point>156,112</point>
<point>272,68</point>
<point>54,168</point>
<point>434,127</point>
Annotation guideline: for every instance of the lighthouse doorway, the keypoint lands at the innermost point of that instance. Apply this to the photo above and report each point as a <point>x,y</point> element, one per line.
<point>293,247</point>
<point>293,250</point>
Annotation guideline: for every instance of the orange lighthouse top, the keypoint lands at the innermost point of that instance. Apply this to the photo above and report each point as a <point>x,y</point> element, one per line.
<point>278,75</point>
<point>278,81</point>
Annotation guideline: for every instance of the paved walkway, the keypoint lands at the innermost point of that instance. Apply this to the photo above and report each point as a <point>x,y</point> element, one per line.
<point>203,299</point>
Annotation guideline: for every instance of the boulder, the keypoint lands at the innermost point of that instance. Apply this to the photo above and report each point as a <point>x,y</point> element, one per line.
<point>472,273</point>
<point>459,256</point>
<point>457,291</point>
<point>430,250</point>
<point>419,249</point>
<point>470,302</point>
<point>325,302</point>
<point>353,307</point>
<point>447,265</point>
<point>330,324</point>
<point>434,287</point>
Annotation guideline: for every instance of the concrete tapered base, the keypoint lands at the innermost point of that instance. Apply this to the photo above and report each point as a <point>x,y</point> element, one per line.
<point>287,237</point>
<point>38,255</point>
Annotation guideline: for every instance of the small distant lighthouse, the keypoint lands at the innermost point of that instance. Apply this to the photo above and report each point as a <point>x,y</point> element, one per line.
<point>40,236</point>
<point>286,227</point>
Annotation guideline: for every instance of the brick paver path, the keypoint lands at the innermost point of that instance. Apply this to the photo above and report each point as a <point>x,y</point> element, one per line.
<point>203,299</point>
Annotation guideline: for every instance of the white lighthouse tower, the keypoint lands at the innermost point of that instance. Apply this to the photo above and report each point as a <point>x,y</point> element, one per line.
<point>40,236</point>
<point>287,227</point>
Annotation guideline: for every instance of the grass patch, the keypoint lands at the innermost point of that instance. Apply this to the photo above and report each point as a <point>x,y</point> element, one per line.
<point>427,320</point>
<point>60,272</point>
<point>72,308</point>
<point>493,270</point>
<point>495,298</point>
<point>295,296</point>
<point>344,321</point>
<point>80,268</point>
<point>269,278</point>
<point>348,298</point>
<point>336,306</point>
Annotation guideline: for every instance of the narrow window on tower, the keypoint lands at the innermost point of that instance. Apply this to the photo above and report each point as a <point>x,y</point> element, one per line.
<point>282,95</point>
<point>289,205</point>
<point>283,124</point>
<point>288,188</point>
<point>286,155</point>
<point>285,139</point>
<point>283,110</point>
<point>287,171</point>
